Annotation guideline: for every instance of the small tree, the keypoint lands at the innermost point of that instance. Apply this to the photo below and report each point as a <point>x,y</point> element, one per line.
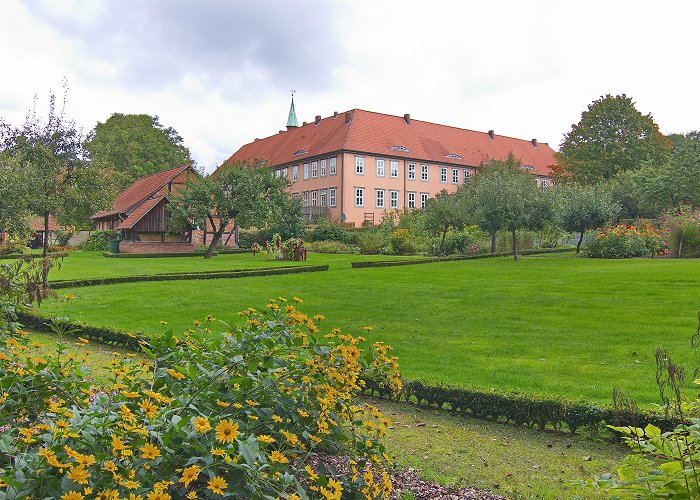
<point>581,208</point>
<point>54,176</point>
<point>443,212</point>
<point>251,196</point>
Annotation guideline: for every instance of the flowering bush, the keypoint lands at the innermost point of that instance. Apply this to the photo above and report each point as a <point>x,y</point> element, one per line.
<point>291,249</point>
<point>682,229</point>
<point>249,415</point>
<point>624,240</point>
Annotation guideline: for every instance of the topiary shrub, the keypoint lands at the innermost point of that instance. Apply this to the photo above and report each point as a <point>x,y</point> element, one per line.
<point>250,414</point>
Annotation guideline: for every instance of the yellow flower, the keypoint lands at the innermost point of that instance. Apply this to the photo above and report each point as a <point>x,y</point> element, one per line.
<point>158,495</point>
<point>319,317</point>
<point>265,439</point>
<point>192,495</point>
<point>252,403</point>
<point>149,408</point>
<point>78,474</point>
<point>302,412</point>
<point>278,457</point>
<point>217,485</point>
<point>72,495</point>
<point>209,317</point>
<point>163,322</point>
<point>189,475</point>
<point>312,474</point>
<point>86,460</point>
<point>130,394</point>
<point>223,404</point>
<point>218,452</point>
<point>175,374</point>
<point>297,300</point>
<point>226,431</point>
<point>117,444</point>
<point>196,322</point>
<point>277,418</point>
<point>201,424</point>
<point>69,296</point>
<point>149,452</point>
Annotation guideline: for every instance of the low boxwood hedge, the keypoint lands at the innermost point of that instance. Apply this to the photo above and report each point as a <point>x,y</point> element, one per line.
<point>153,255</point>
<point>520,409</point>
<point>430,260</point>
<point>202,275</point>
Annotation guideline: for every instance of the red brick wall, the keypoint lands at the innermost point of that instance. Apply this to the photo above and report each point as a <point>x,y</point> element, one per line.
<point>155,247</point>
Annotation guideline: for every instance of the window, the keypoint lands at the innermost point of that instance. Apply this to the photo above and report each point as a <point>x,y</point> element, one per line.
<point>323,168</point>
<point>443,174</point>
<point>411,171</point>
<point>467,174</point>
<point>314,169</point>
<point>424,199</point>
<point>295,173</point>
<point>380,198</point>
<point>394,168</point>
<point>277,172</point>
<point>424,172</point>
<point>323,197</point>
<point>300,152</point>
<point>306,171</point>
<point>314,198</point>
<point>543,185</point>
<point>359,197</point>
<point>411,199</point>
<point>305,199</point>
<point>331,197</point>
<point>285,172</point>
<point>554,183</point>
<point>380,168</point>
<point>400,148</point>
<point>295,196</point>
<point>455,176</point>
<point>332,165</point>
<point>393,199</point>
<point>360,165</point>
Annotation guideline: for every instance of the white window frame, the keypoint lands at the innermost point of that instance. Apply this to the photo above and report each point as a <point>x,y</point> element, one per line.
<point>379,198</point>
<point>322,198</point>
<point>424,197</point>
<point>306,171</point>
<point>443,175</point>
<point>314,198</point>
<point>332,165</point>
<point>305,199</point>
<point>331,197</point>
<point>359,165</point>
<point>411,199</point>
<point>455,176</point>
<point>359,197</point>
<point>277,173</point>
<point>394,169</point>
<point>295,173</point>
<point>285,173</point>
<point>466,175</point>
<point>411,171</point>
<point>380,167</point>
<point>424,172</point>
<point>323,168</point>
<point>394,199</point>
<point>314,169</point>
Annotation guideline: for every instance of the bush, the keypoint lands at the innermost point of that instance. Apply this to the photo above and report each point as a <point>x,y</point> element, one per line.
<point>247,416</point>
<point>625,240</point>
<point>525,240</point>
<point>372,241</point>
<point>246,238</point>
<point>402,242</point>
<point>329,231</point>
<point>98,240</point>
<point>331,247</point>
<point>682,229</point>
<point>12,245</point>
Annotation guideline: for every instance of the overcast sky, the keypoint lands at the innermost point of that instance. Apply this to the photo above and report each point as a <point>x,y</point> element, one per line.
<point>220,72</point>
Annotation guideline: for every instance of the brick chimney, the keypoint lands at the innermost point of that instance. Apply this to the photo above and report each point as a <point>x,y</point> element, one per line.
<point>317,120</point>
<point>407,118</point>
<point>348,117</point>
<point>491,134</point>
<point>335,114</point>
<point>534,143</point>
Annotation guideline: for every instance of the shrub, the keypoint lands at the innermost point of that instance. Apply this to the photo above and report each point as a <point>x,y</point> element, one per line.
<point>98,240</point>
<point>329,231</point>
<point>525,240</point>
<point>625,240</point>
<point>331,247</point>
<point>682,229</point>
<point>372,241</point>
<point>402,242</point>
<point>246,238</point>
<point>247,416</point>
<point>12,245</point>
<point>64,235</point>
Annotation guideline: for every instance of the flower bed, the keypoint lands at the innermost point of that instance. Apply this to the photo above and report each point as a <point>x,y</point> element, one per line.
<point>624,241</point>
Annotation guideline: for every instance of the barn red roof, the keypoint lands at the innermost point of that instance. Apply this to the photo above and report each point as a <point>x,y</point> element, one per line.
<point>387,135</point>
<point>37,223</point>
<point>140,211</point>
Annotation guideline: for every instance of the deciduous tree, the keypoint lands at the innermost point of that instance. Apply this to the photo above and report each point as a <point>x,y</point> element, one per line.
<point>442,213</point>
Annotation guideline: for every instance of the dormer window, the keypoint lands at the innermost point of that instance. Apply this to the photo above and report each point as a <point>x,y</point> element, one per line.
<point>454,157</point>
<point>400,148</point>
<point>300,152</point>
<point>528,167</point>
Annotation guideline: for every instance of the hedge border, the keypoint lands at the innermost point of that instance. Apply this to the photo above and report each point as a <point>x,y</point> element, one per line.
<point>203,275</point>
<point>518,409</point>
<point>153,255</point>
<point>431,260</point>
<point>33,255</point>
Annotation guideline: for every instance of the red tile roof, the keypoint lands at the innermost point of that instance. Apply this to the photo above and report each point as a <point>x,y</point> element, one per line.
<point>37,223</point>
<point>138,214</point>
<point>377,133</point>
<point>143,188</point>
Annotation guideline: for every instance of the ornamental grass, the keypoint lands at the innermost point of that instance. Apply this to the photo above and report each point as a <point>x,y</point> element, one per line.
<point>246,414</point>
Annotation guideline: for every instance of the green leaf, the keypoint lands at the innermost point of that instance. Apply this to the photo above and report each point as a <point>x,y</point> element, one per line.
<point>652,431</point>
<point>671,468</point>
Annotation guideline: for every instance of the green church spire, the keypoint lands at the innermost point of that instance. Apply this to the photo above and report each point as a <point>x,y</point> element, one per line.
<point>292,120</point>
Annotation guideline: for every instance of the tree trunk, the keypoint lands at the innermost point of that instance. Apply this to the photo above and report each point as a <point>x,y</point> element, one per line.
<point>493,243</point>
<point>442,242</point>
<point>515,247</point>
<point>216,235</point>
<point>580,240</point>
<point>680,243</point>
<point>46,263</point>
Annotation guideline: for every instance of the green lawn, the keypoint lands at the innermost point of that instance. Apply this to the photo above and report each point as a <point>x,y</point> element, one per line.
<point>552,325</point>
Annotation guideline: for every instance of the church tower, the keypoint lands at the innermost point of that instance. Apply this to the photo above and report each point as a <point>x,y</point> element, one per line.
<point>292,119</point>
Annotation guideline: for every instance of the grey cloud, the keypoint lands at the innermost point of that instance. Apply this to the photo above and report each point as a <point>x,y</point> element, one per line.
<point>235,47</point>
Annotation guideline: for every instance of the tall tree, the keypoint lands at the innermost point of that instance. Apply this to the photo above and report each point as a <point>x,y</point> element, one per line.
<point>443,212</point>
<point>53,175</point>
<point>612,137</point>
<point>581,208</point>
<point>136,146</point>
<point>251,196</point>
<point>504,197</point>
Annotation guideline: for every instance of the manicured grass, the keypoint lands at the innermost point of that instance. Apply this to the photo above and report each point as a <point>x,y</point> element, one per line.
<point>81,265</point>
<point>551,325</point>
<point>513,461</point>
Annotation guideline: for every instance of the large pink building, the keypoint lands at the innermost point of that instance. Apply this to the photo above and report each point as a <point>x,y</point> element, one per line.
<point>354,166</point>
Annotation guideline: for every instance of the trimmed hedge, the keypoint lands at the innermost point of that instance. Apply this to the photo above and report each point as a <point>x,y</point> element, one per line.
<point>153,255</point>
<point>430,260</point>
<point>520,409</point>
<point>233,250</point>
<point>34,320</point>
<point>33,255</point>
<point>203,275</point>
